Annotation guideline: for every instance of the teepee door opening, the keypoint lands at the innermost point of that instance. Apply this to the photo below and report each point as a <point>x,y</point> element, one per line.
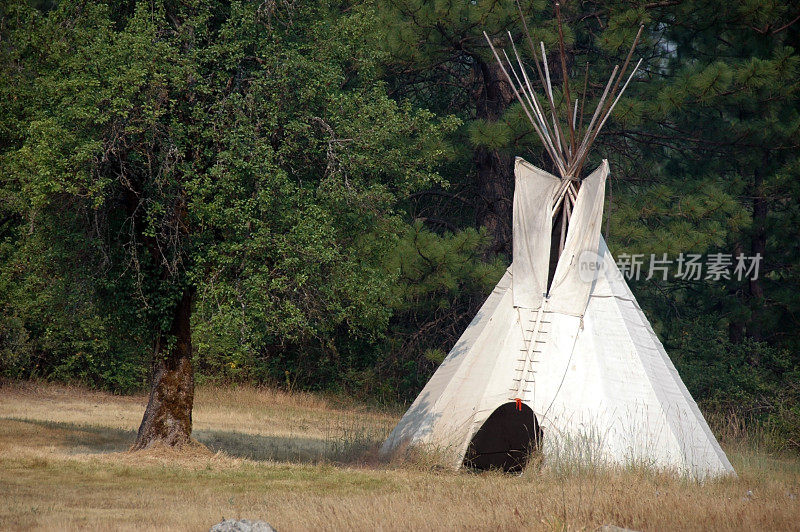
<point>506,440</point>
<point>555,220</point>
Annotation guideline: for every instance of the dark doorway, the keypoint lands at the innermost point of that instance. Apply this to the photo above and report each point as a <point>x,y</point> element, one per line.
<point>506,440</point>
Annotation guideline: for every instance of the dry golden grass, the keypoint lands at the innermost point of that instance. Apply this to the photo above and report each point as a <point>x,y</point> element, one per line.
<point>302,463</point>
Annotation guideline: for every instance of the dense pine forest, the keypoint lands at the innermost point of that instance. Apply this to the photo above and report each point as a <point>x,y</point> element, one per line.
<point>317,195</point>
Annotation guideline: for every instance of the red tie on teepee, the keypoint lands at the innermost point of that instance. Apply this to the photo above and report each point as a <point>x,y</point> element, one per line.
<point>519,404</point>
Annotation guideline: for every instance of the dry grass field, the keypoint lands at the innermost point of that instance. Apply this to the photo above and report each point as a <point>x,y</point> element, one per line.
<point>302,462</point>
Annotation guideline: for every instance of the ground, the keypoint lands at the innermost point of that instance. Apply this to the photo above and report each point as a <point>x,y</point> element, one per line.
<point>302,462</point>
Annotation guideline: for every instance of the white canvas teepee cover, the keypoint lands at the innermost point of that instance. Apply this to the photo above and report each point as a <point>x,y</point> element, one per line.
<point>585,359</point>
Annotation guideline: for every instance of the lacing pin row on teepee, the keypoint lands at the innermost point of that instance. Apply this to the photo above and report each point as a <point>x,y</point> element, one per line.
<point>470,414</point>
<point>527,371</point>
<point>567,151</point>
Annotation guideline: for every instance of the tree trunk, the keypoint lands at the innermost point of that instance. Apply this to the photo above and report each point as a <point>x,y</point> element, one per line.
<point>495,197</point>
<point>736,327</point>
<point>758,246</point>
<point>168,417</point>
<point>494,169</point>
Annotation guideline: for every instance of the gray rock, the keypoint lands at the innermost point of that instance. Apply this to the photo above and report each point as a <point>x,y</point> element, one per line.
<point>613,528</point>
<point>242,525</point>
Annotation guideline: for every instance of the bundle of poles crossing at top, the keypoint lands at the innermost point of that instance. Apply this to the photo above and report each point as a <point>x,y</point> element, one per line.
<point>569,149</point>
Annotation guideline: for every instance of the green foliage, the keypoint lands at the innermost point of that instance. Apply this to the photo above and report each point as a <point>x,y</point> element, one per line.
<point>492,135</point>
<point>421,31</point>
<point>441,282</point>
<point>314,173</point>
<point>55,324</point>
<point>419,298</point>
<point>751,379</point>
<point>691,214</point>
<point>255,159</point>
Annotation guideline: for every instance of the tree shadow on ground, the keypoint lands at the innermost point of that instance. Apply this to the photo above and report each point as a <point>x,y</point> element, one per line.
<point>263,448</point>
<point>76,438</point>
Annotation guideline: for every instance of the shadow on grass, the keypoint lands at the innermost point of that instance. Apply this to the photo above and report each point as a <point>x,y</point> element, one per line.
<point>256,447</point>
<point>76,438</point>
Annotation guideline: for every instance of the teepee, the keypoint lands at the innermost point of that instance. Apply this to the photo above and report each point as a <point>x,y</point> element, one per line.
<point>560,358</point>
